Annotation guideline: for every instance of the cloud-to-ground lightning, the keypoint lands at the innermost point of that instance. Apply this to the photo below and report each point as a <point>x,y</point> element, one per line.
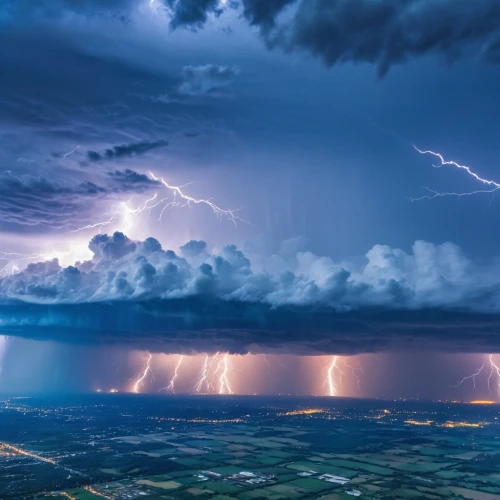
<point>471,377</point>
<point>335,375</point>
<point>171,386</point>
<point>494,373</point>
<point>143,374</point>
<point>203,383</point>
<point>493,186</point>
<point>355,372</point>
<point>223,369</point>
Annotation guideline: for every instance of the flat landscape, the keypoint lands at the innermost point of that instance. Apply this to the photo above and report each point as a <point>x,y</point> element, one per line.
<point>132,446</point>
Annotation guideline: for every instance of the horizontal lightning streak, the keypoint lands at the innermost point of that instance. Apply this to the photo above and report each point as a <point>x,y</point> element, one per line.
<point>495,186</point>
<point>231,214</point>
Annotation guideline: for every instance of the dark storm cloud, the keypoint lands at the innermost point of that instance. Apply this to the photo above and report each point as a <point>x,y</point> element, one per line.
<point>391,31</point>
<point>381,32</point>
<point>34,10</point>
<point>192,13</point>
<point>263,13</point>
<point>51,83</point>
<point>131,180</point>
<point>138,294</point>
<point>201,80</point>
<point>126,150</point>
<point>30,200</point>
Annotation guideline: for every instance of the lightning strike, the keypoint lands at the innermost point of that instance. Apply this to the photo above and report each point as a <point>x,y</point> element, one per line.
<point>355,372</point>
<point>494,373</point>
<point>125,213</point>
<point>203,381</point>
<point>71,152</point>
<point>494,186</point>
<point>333,377</point>
<point>223,368</point>
<point>171,386</point>
<point>335,374</point>
<point>187,200</point>
<point>140,381</point>
<point>471,377</point>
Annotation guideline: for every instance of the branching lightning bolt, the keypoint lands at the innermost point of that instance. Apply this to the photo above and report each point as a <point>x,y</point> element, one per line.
<point>333,377</point>
<point>125,213</point>
<point>471,377</point>
<point>493,186</point>
<point>494,373</point>
<point>171,386</point>
<point>355,372</point>
<point>203,382</point>
<point>223,368</point>
<point>144,373</point>
<point>335,374</point>
<point>495,370</point>
<point>187,200</point>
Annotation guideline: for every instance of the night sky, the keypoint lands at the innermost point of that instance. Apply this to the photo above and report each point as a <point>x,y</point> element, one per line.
<point>186,177</point>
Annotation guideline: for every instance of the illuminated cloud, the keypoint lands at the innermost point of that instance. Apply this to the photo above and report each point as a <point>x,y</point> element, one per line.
<point>138,294</point>
<point>30,201</point>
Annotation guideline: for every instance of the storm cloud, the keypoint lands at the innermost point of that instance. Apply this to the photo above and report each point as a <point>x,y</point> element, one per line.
<point>381,32</point>
<point>138,294</point>
<point>37,201</point>
<point>125,150</point>
<point>201,80</point>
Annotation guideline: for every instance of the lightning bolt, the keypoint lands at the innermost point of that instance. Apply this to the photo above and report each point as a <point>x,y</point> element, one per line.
<point>223,368</point>
<point>355,372</point>
<point>471,377</point>
<point>495,370</point>
<point>335,374</point>
<point>187,200</point>
<point>144,373</point>
<point>492,185</point>
<point>71,152</point>
<point>493,374</point>
<point>175,376</point>
<point>125,213</point>
<point>333,377</point>
<point>204,372</point>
